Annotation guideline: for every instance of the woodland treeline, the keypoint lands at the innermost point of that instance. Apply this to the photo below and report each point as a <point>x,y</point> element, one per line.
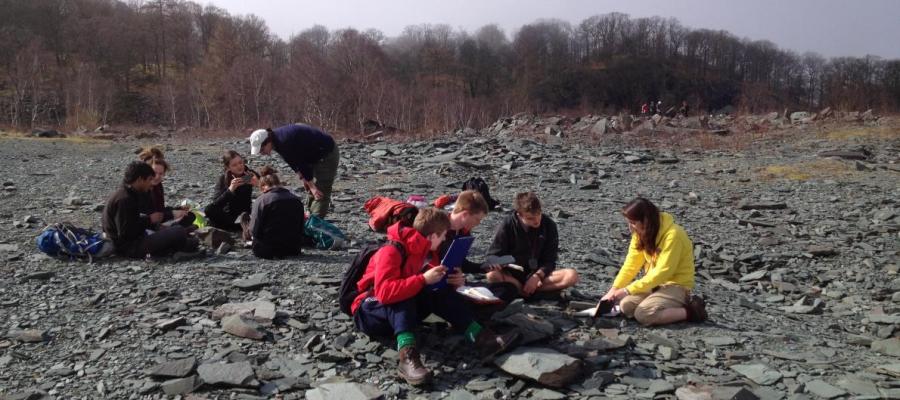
<point>84,63</point>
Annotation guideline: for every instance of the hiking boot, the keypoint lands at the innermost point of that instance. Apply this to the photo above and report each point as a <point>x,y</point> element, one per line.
<point>696,309</point>
<point>488,344</point>
<point>411,368</point>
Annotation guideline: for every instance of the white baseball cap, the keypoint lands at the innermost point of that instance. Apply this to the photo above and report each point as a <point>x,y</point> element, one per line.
<point>256,140</point>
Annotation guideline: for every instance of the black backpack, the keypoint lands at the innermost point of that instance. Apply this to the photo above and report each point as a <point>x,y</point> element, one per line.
<point>482,187</point>
<point>354,273</point>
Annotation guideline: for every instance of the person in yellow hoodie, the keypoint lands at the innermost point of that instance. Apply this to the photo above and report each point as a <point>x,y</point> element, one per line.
<point>665,253</point>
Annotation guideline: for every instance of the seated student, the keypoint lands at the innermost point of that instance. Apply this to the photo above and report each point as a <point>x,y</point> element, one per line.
<point>276,223</point>
<point>532,239</point>
<point>395,298</point>
<point>126,226</point>
<point>469,210</point>
<point>233,195</point>
<point>156,203</point>
<point>665,253</point>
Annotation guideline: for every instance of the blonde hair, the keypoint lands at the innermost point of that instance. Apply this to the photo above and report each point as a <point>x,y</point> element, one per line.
<point>431,220</point>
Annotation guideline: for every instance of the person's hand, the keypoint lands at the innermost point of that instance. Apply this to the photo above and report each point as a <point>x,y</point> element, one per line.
<point>456,279</point>
<point>533,283</point>
<point>435,274</point>
<point>492,267</point>
<point>235,183</point>
<point>178,214</point>
<point>317,194</point>
<point>156,217</point>
<point>614,294</point>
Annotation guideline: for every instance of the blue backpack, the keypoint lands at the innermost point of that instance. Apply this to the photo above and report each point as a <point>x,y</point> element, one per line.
<point>67,241</point>
<point>323,233</point>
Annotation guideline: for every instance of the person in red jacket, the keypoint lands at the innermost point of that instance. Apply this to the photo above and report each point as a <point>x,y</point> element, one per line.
<point>395,296</point>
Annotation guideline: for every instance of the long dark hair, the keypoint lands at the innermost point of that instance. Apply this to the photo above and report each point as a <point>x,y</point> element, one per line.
<point>643,211</point>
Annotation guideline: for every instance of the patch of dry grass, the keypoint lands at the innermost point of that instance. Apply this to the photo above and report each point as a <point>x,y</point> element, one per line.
<point>863,132</point>
<point>820,169</point>
<point>69,138</point>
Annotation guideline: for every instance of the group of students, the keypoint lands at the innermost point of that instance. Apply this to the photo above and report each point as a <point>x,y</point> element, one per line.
<point>138,223</point>
<point>396,290</point>
<point>396,293</point>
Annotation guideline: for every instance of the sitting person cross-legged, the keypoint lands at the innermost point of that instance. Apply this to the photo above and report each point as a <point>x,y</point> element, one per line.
<point>127,227</point>
<point>532,239</point>
<point>665,253</point>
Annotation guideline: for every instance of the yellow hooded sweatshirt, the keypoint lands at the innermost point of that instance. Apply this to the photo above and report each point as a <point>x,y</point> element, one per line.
<point>673,265</point>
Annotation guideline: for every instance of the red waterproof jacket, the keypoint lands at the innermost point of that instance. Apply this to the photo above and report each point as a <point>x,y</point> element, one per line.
<point>385,278</point>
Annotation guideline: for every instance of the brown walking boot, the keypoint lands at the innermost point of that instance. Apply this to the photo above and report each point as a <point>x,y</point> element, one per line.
<point>696,308</point>
<point>411,368</point>
<point>488,344</point>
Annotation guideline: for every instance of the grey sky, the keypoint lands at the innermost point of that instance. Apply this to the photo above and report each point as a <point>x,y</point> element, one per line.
<point>829,27</point>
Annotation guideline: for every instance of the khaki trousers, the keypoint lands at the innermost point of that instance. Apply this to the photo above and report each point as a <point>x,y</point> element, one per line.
<point>645,307</point>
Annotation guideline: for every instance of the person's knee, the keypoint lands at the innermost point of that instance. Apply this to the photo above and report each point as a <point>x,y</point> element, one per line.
<point>570,277</point>
<point>628,305</point>
<point>646,315</point>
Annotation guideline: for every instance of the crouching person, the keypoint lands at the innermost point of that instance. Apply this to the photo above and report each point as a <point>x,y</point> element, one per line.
<point>276,223</point>
<point>665,253</point>
<point>395,297</point>
<point>126,226</point>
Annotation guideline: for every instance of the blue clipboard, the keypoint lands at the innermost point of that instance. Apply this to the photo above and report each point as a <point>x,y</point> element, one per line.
<point>457,252</point>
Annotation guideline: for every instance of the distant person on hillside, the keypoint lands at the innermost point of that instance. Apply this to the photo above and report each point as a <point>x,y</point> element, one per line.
<point>127,227</point>
<point>276,223</point>
<point>310,152</point>
<point>662,250</point>
<point>683,110</point>
<point>645,109</point>
<point>233,195</point>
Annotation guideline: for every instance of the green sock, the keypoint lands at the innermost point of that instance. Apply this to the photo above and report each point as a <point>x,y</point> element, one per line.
<point>405,339</point>
<point>472,331</point>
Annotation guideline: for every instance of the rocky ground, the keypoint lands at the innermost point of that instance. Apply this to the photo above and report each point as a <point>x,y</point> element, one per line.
<point>795,233</point>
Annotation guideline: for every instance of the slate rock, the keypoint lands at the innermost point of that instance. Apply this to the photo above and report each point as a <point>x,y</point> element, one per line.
<point>241,327</point>
<point>805,306</point>
<point>174,369</point>
<point>545,366</point>
<point>29,335</point>
<point>169,324</point>
<point>747,205</point>
<point>823,389</point>
<point>38,276</point>
<point>758,373</point>
<point>889,347</point>
<point>532,327</point>
<point>344,391</point>
<point>659,386</point>
<point>253,282</point>
<point>238,374</point>
<point>180,386</point>
<point>262,311</point>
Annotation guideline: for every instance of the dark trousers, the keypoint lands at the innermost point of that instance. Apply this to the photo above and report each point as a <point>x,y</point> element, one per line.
<point>376,319</point>
<point>216,217</point>
<point>164,242</point>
